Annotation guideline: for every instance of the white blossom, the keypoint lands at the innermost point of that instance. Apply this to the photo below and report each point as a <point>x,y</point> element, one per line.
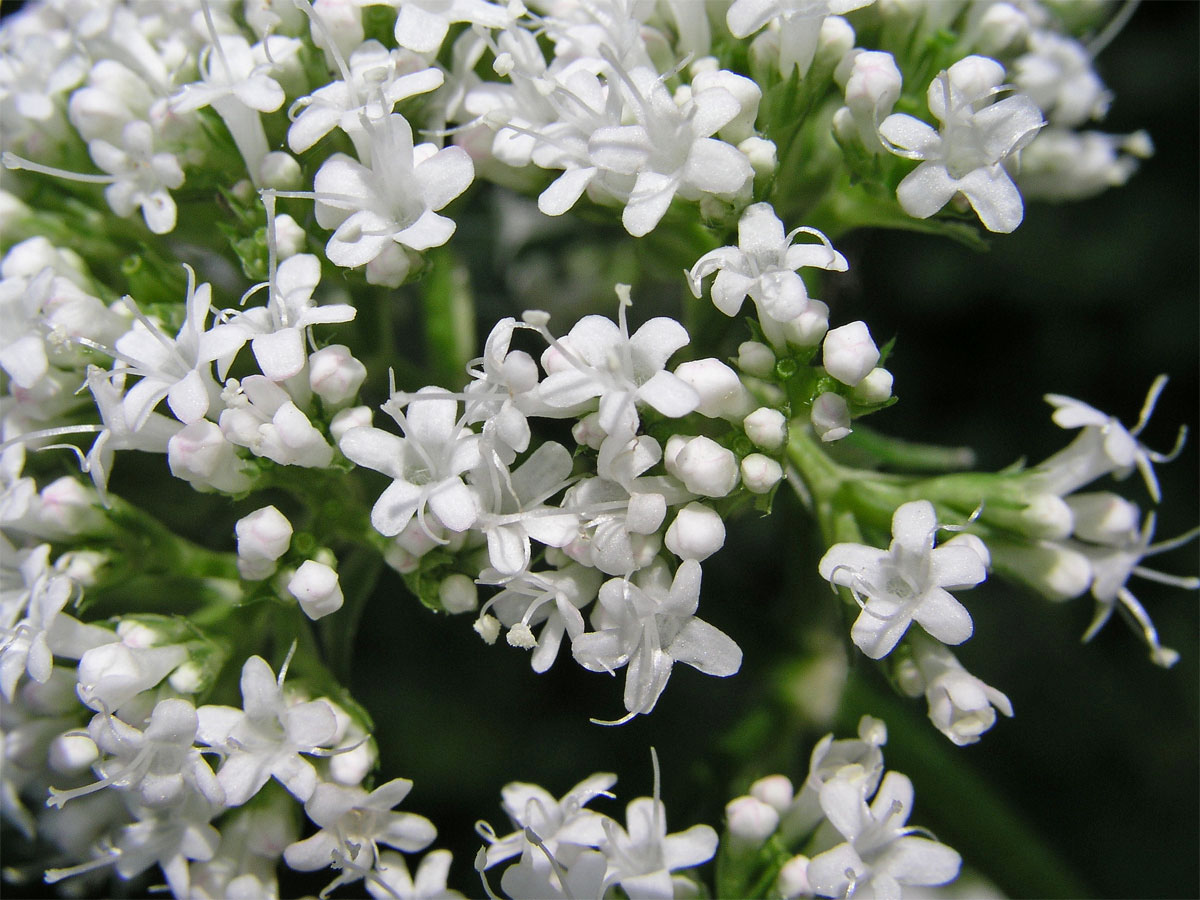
<point>965,155</point>
<point>907,582</point>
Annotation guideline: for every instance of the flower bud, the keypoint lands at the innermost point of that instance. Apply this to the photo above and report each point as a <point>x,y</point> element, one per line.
<point>876,387</point>
<point>756,359</point>
<point>315,586</point>
<point>872,87</point>
<point>68,507</point>
<point>279,170</point>
<point>830,417</point>
<point>775,790</point>
<point>1051,569</point>
<point>354,417</point>
<point>587,431</point>
<point>760,473</point>
<point>697,532</point>
<point>290,238</point>
<point>834,41</point>
<point>750,821</point>
<point>200,454</point>
<point>849,353</point>
<point>705,467</point>
<point>458,594</point>
<point>1104,518</point>
<point>335,375</point>
<point>762,154</point>
<point>766,428</point>
<point>262,537</point>
<point>722,394</point>
<point>113,674</point>
<point>72,753</point>
<point>807,329</point>
<point>390,267</point>
<point>793,878</point>
<point>745,91</point>
<point>1001,27</point>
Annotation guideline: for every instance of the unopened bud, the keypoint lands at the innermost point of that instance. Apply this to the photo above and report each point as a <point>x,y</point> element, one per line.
<point>722,394</point>
<point>290,238</point>
<point>756,359</point>
<point>750,821</point>
<point>762,154</point>
<point>697,533</point>
<point>793,878</point>
<point>830,417</point>
<point>354,417</point>
<point>705,467</point>
<point>776,791</point>
<point>766,428</point>
<point>876,387</point>
<point>1104,518</point>
<point>458,594</point>
<point>849,353</point>
<point>760,473</point>
<point>807,329</point>
<point>262,537</point>
<point>335,375</point>
<point>200,454</point>
<point>279,170</point>
<point>315,586</point>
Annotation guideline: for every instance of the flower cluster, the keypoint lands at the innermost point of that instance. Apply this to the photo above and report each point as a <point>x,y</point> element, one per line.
<point>231,229</point>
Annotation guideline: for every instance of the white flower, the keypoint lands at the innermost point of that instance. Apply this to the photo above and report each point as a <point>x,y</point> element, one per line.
<point>45,631</point>
<point>1103,446</point>
<point>141,176</point>
<point>377,83</point>
<point>392,200</point>
<point>266,737</point>
<point>961,706</point>
<point>600,359</point>
<point>800,25</point>
<point>315,586</point>
<point>395,882</point>
<point>179,369</point>
<point>553,598</point>
<point>905,583</point>
<point>669,150</point>
<point>421,25</point>
<point>278,330</point>
<point>112,674</point>
<point>650,624</point>
<point>518,512</point>
<point>564,826</point>
<point>159,764</point>
<point>426,464</point>
<point>642,856</point>
<point>880,854</point>
<point>1112,567</point>
<point>965,156</point>
<point>1057,73</point>
<point>262,416</point>
<point>764,267</point>
<point>352,825</point>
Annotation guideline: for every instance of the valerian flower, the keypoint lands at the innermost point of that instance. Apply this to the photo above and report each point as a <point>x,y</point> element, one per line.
<point>965,155</point>
<point>907,582</point>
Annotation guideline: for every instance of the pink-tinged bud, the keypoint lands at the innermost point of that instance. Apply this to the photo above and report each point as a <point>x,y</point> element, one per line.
<point>830,417</point>
<point>760,473</point>
<point>200,454</point>
<point>766,428</point>
<point>262,537</point>
<point>705,467</point>
<point>315,586</point>
<point>335,375</point>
